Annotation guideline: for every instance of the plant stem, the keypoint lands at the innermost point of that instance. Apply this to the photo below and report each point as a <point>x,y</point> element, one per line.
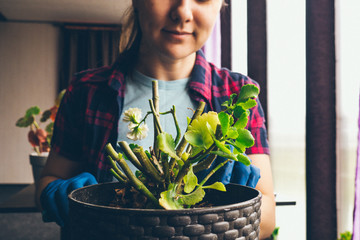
<point>36,125</point>
<point>178,131</point>
<point>116,169</point>
<point>157,125</point>
<point>130,155</point>
<point>165,164</point>
<point>180,148</point>
<point>212,172</point>
<point>114,173</point>
<point>134,181</point>
<point>154,105</point>
<point>205,164</point>
<point>148,167</point>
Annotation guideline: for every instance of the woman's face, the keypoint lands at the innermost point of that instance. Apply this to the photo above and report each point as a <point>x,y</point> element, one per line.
<point>175,29</point>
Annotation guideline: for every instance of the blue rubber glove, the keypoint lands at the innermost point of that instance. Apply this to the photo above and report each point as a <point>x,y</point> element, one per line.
<point>54,198</point>
<point>232,172</point>
<point>245,175</point>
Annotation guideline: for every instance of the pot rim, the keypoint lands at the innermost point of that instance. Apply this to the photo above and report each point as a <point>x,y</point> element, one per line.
<point>188,211</point>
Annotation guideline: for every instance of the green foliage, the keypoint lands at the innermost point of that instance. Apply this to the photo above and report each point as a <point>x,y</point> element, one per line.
<point>345,236</point>
<point>29,117</point>
<point>275,234</point>
<point>198,133</point>
<point>173,164</point>
<point>40,138</point>
<point>166,144</point>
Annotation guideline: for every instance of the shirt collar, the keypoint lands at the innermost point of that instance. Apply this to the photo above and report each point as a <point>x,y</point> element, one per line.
<point>200,84</point>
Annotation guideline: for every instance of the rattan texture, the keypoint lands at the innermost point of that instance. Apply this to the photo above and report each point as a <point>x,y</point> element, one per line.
<point>229,222</point>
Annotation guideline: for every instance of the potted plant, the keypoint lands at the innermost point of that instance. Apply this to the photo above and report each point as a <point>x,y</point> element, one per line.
<point>38,137</point>
<point>164,199</point>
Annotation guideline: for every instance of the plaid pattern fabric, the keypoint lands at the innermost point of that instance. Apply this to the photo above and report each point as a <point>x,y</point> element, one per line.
<point>88,116</point>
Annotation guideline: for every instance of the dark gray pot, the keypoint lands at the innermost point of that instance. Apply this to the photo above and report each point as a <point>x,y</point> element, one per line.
<point>37,163</point>
<point>235,215</point>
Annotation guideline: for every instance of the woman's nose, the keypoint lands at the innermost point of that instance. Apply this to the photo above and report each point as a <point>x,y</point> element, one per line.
<point>181,11</point>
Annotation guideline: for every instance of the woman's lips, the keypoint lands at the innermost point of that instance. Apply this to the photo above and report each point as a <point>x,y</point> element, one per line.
<point>177,34</point>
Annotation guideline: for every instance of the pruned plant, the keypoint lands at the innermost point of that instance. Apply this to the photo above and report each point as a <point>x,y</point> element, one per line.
<point>166,173</point>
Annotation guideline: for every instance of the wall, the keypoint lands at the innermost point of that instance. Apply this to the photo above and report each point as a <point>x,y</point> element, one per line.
<point>348,86</point>
<point>28,77</point>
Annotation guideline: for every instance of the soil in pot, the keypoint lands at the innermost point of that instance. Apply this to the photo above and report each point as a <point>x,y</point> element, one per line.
<point>235,214</point>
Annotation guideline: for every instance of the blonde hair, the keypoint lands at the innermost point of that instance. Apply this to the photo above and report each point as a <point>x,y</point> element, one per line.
<point>130,32</point>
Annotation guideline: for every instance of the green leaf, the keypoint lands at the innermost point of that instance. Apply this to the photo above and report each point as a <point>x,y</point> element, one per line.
<point>166,144</point>
<point>238,111</point>
<point>133,146</point>
<point>243,159</point>
<point>250,103</point>
<point>25,121</point>
<point>242,120</point>
<point>190,181</point>
<point>194,197</point>
<point>224,155</point>
<point>246,92</point>
<point>49,128</point>
<point>169,199</point>
<point>45,116</point>
<point>222,146</point>
<point>238,147</point>
<point>198,134</point>
<point>217,186</point>
<point>196,139</point>
<point>232,97</point>
<point>225,104</point>
<point>32,111</point>
<point>196,150</point>
<point>224,119</point>
<point>232,133</point>
<point>188,120</point>
<point>245,138</point>
<point>148,154</point>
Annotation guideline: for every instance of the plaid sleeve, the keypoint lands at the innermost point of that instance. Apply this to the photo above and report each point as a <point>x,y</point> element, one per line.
<point>66,139</point>
<point>256,126</point>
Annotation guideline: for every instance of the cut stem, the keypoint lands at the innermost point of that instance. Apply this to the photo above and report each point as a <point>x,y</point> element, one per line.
<point>130,155</point>
<point>149,168</point>
<point>134,181</point>
<point>116,169</point>
<point>114,173</point>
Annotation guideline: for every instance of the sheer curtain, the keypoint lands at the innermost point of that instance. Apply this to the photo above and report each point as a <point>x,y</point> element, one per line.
<point>85,47</point>
<point>356,227</point>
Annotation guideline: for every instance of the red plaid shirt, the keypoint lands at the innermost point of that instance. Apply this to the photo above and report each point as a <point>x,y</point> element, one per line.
<point>88,116</point>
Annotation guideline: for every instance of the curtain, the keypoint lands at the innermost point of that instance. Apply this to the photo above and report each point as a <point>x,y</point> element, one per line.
<point>85,47</point>
<point>356,226</point>
<point>217,48</point>
<point>320,120</point>
<point>257,47</point>
<point>212,47</point>
<point>225,17</point>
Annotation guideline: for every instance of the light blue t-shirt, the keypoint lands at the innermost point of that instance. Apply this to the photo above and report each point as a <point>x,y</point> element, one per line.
<point>137,94</point>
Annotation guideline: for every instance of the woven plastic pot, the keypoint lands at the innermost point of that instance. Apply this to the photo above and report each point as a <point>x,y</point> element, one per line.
<point>234,215</point>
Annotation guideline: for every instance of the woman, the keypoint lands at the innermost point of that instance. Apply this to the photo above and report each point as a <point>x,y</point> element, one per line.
<point>161,41</point>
